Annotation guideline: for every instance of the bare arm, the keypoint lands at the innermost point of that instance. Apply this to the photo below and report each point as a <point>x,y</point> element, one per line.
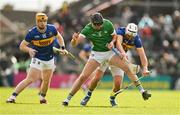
<point>62,44</point>
<point>24,47</point>
<point>143,57</point>
<point>118,44</point>
<point>60,39</point>
<point>111,44</point>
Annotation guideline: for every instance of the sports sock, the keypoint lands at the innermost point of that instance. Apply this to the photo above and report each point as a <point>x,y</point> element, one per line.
<point>140,87</point>
<point>42,96</point>
<point>14,95</point>
<point>68,97</point>
<point>89,93</point>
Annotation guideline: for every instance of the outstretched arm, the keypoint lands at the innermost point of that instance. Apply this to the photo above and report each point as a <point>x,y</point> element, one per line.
<point>119,46</point>
<point>76,39</point>
<point>60,39</point>
<point>61,43</point>
<point>143,59</point>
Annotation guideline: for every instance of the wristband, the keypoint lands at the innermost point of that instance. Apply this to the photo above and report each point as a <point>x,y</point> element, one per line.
<point>62,47</point>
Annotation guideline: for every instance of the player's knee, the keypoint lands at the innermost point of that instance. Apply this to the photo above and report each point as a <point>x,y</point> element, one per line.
<point>97,79</point>
<point>29,80</point>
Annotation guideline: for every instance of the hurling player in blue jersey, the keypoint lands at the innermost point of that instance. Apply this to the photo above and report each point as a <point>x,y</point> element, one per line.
<point>39,44</point>
<point>129,38</point>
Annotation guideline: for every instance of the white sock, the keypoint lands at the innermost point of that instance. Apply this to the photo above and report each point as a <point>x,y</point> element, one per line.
<point>66,100</point>
<point>41,97</point>
<point>12,97</point>
<point>142,90</point>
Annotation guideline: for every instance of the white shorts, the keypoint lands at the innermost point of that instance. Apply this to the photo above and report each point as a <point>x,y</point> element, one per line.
<point>101,56</point>
<point>42,65</point>
<point>114,70</point>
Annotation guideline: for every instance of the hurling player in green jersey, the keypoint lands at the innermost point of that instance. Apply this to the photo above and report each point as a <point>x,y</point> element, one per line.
<point>102,34</point>
<point>130,39</point>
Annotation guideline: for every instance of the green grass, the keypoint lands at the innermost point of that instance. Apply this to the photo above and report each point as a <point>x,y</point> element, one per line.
<point>130,102</point>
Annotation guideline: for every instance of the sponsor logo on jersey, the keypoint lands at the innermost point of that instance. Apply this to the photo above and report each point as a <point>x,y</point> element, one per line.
<point>44,35</point>
<point>42,43</point>
<point>36,37</point>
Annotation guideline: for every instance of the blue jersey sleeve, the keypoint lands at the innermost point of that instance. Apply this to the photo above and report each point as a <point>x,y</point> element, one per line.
<point>54,30</point>
<point>137,42</point>
<point>28,37</point>
<point>120,31</point>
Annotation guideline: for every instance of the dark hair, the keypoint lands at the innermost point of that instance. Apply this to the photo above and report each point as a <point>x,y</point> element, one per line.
<point>97,18</point>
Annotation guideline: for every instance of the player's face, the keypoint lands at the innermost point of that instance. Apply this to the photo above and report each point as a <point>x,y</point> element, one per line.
<point>41,24</point>
<point>97,26</point>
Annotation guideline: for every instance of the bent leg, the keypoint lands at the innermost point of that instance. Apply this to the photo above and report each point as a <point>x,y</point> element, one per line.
<point>89,68</point>
<point>32,76</point>
<point>94,81</point>
<point>46,79</point>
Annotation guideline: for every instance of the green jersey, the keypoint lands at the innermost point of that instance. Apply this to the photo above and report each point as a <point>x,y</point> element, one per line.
<point>99,38</point>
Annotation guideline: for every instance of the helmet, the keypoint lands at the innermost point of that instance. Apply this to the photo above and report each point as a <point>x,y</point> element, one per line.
<point>41,16</point>
<point>131,29</point>
<point>87,47</point>
<point>97,18</point>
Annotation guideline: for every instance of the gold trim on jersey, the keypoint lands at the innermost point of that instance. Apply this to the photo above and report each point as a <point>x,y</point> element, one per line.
<point>44,42</point>
<point>126,46</point>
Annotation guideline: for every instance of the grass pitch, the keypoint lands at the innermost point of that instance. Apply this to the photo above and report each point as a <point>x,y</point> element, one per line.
<point>130,103</point>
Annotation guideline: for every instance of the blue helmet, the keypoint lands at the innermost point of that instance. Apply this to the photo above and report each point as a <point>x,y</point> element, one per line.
<point>87,47</point>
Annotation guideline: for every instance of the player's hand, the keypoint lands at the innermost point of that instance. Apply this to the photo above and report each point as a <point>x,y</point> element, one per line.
<point>145,72</point>
<point>63,52</point>
<point>32,52</point>
<point>110,45</point>
<point>124,56</point>
<point>75,36</point>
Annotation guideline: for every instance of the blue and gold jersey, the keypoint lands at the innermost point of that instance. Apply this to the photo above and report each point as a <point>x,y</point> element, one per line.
<point>129,43</point>
<point>42,42</point>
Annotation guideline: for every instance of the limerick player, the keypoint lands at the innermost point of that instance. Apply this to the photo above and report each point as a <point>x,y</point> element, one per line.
<point>38,43</point>
<point>130,39</point>
<point>100,32</point>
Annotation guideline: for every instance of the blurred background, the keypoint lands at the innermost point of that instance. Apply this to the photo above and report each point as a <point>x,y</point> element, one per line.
<point>159,28</point>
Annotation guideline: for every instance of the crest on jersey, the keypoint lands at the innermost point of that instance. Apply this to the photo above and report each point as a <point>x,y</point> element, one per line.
<point>44,35</point>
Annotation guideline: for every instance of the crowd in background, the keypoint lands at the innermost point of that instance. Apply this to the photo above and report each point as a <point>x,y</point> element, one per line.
<point>160,35</point>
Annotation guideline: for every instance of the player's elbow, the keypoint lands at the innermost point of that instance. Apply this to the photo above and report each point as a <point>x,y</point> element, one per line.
<point>21,46</point>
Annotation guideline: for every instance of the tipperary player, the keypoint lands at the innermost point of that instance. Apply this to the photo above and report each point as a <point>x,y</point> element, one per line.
<point>38,43</point>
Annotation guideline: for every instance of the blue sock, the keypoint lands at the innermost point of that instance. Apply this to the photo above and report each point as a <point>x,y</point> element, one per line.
<point>89,93</point>
<point>14,94</point>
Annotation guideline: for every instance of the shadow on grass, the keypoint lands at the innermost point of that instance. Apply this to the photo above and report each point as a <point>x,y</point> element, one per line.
<point>20,103</point>
<point>104,107</point>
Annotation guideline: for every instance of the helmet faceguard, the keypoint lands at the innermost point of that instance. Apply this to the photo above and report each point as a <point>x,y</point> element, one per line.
<point>131,29</point>
<point>97,19</point>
